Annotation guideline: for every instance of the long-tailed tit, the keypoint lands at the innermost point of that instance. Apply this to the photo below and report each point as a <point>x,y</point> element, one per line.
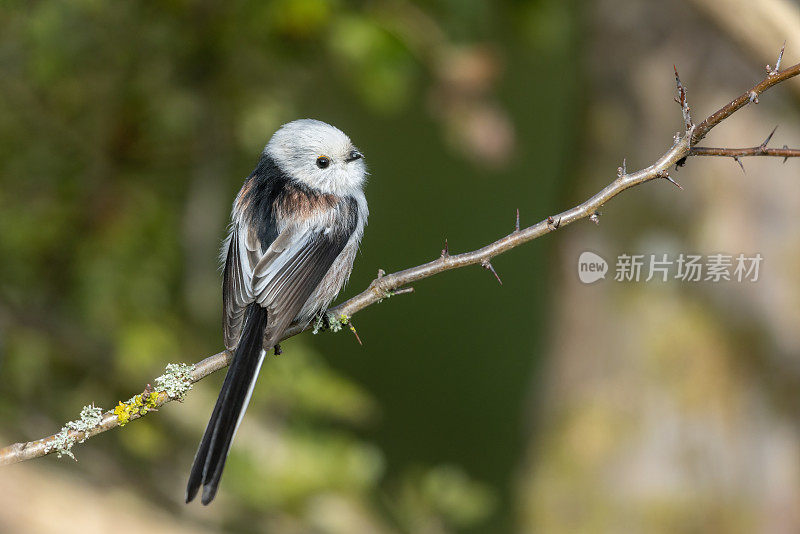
<point>295,228</point>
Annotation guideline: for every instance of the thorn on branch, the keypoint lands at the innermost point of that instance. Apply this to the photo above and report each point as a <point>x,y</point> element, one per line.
<point>403,291</point>
<point>738,160</point>
<point>665,175</point>
<point>785,147</point>
<point>353,330</point>
<point>486,264</point>
<point>553,224</point>
<point>516,226</point>
<point>446,249</point>
<point>389,293</point>
<point>753,97</point>
<point>776,70</point>
<point>767,140</point>
<point>595,217</point>
<point>381,273</point>
<point>622,171</point>
<point>682,100</point>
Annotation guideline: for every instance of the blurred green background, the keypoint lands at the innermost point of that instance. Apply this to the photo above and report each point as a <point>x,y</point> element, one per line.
<point>126,130</point>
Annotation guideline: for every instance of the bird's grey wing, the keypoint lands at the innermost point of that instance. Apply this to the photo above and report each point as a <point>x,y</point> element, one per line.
<point>280,279</point>
<point>242,256</point>
<point>290,271</point>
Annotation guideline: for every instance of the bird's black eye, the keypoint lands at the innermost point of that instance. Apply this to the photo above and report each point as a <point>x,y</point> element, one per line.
<point>323,162</point>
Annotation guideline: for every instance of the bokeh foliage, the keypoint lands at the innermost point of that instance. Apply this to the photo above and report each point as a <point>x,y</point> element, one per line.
<point>125,131</point>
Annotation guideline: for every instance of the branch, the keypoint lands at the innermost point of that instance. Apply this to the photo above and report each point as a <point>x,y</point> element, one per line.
<point>388,285</point>
<point>773,78</point>
<point>760,150</point>
<point>784,152</point>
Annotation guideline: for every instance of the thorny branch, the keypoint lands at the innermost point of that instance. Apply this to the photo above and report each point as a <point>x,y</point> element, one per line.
<point>387,285</point>
<point>760,150</point>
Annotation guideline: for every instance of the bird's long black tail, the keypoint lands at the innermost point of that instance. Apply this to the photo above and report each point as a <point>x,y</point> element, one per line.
<point>230,407</point>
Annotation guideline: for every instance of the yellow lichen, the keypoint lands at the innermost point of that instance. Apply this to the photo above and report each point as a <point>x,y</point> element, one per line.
<point>152,401</point>
<point>175,383</point>
<point>123,413</point>
<point>138,405</point>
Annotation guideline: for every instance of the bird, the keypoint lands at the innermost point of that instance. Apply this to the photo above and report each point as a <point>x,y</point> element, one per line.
<point>295,228</point>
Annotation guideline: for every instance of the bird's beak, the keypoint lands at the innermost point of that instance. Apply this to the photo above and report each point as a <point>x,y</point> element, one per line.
<point>354,155</point>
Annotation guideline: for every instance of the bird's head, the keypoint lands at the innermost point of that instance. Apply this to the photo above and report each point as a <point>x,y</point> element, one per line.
<point>319,156</point>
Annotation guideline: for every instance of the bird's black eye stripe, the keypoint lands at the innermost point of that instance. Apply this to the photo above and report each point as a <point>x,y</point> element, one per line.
<point>323,162</point>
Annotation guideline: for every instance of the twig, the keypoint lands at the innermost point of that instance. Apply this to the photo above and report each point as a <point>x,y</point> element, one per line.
<point>745,152</point>
<point>702,129</point>
<point>385,285</point>
<point>760,150</point>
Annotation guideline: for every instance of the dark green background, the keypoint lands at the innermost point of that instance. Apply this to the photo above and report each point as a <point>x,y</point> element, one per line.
<point>121,149</point>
